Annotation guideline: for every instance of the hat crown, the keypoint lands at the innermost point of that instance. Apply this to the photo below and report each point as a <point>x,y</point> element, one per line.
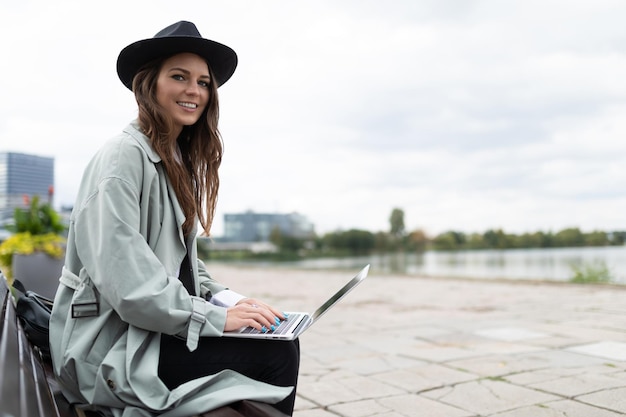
<point>182,36</point>
<point>182,28</point>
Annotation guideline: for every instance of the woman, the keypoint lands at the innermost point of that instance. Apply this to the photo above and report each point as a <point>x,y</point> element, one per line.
<point>136,321</point>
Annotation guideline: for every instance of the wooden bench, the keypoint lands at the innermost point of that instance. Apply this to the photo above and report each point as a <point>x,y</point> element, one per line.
<point>27,384</point>
<point>28,387</point>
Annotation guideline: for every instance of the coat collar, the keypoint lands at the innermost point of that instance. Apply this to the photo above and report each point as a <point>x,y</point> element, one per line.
<point>135,131</point>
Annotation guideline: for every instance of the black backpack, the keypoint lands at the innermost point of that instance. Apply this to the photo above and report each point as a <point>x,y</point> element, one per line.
<point>33,311</point>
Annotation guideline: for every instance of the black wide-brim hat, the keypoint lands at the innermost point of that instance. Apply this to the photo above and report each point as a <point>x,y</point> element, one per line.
<point>180,37</point>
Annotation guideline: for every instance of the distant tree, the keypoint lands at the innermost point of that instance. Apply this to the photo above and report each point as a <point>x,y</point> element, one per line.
<point>527,240</point>
<point>450,240</point>
<point>570,237</point>
<point>396,221</point>
<point>475,241</point>
<point>359,242</point>
<point>417,241</point>
<point>382,243</point>
<point>286,244</point>
<point>617,237</point>
<point>496,239</point>
<point>545,240</point>
<point>334,240</point>
<point>354,241</point>
<point>596,238</point>
<point>276,236</point>
<point>459,238</point>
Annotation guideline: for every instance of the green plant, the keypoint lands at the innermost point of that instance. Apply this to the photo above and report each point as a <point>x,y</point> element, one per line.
<point>36,229</point>
<point>594,273</point>
<point>38,219</point>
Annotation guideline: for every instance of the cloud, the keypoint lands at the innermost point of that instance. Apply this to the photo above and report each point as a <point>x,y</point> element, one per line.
<point>467,115</point>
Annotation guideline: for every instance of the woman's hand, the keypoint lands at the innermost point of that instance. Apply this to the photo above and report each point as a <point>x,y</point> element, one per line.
<point>251,312</point>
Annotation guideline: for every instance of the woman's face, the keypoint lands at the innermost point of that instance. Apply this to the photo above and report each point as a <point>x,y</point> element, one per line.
<point>183,88</point>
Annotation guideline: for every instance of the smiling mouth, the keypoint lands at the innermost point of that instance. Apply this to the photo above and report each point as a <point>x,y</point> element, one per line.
<point>187,105</point>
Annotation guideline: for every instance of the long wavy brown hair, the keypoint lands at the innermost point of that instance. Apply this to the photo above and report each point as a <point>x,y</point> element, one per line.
<point>195,178</point>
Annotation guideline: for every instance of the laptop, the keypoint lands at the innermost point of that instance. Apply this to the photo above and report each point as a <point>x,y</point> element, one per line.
<point>297,322</point>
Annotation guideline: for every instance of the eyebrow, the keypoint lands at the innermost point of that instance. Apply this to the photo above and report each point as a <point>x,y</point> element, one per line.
<point>188,72</point>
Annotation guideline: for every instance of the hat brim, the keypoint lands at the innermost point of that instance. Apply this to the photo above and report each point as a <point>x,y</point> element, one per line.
<point>221,58</point>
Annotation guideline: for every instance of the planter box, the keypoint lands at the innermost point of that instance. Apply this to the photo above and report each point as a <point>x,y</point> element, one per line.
<point>38,272</point>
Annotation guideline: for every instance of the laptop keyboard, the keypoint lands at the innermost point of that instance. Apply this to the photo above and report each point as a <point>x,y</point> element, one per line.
<point>281,329</point>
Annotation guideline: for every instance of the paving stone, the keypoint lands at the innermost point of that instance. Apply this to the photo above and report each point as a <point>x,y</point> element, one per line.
<point>390,414</point>
<point>604,349</point>
<point>556,342</point>
<point>438,353</point>
<point>337,373</point>
<point>336,391</point>
<point>378,363</point>
<point>387,342</point>
<point>314,413</point>
<point>572,408</point>
<point>416,405</point>
<point>579,384</point>
<point>303,404</point>
<point>551,374</point>
<point>500,365</point>
<point>327,392</point>
<point>590,333</point>
<point>613,399</point>
<point>510,334</point>
<point>426,332</point>
<point>498,348</point>
<point>425,377</point>
<point>565,408</point>
<point>339,353</point>
<point>488,396</point>
<point>360,409</point>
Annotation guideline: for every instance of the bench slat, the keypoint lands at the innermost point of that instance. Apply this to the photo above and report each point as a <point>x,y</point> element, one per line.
<point>24,391</point>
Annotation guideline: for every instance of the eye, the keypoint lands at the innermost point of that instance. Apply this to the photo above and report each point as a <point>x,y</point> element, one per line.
<point>204,84</point>
<point>178,77</point>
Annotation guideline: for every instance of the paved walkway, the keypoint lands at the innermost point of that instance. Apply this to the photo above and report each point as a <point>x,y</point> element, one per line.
<point>427,347</point>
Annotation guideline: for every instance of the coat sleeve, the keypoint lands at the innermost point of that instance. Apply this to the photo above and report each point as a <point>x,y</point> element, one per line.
<point>126,271</point>
<point>207,284</point>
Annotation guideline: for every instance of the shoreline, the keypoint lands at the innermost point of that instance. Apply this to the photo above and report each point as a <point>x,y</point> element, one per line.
<point>282,269</point>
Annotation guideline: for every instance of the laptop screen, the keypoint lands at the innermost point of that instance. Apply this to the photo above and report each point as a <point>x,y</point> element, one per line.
<point>340,294</point>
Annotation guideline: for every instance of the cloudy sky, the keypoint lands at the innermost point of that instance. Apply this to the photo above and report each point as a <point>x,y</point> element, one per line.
<point>467,115</point>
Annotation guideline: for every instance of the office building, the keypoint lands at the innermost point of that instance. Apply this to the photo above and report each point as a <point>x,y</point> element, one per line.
<point>257,227</point>
<point>23,175</point>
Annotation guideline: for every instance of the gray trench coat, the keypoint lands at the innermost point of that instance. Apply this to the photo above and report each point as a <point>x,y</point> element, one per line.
<point>119,290</point>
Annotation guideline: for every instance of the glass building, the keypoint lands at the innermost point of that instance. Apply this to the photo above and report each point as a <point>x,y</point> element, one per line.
<point>23,175</point>
<point>257,227</point>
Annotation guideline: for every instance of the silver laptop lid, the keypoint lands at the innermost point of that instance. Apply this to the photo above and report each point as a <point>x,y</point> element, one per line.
<point>340,294</point>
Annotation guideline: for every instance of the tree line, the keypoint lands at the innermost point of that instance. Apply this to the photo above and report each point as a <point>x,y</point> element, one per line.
<point>498,239</point>
<point>358,242</point>
<point>363,242</point>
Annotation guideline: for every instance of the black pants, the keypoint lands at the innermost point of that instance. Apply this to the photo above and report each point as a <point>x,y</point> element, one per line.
<point>272,361</point>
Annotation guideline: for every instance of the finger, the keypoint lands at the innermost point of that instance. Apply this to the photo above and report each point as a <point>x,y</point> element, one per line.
<point>275,312</point>
<point>242,319</point>
<point>273,315</point>
<point>281,315</point>
<point>263,316</point>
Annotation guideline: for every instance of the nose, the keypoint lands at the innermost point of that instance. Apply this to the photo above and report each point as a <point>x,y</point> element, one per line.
<point>193,89</point>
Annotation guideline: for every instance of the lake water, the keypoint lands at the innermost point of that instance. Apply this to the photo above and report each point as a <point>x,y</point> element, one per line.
<point>525,264</point>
